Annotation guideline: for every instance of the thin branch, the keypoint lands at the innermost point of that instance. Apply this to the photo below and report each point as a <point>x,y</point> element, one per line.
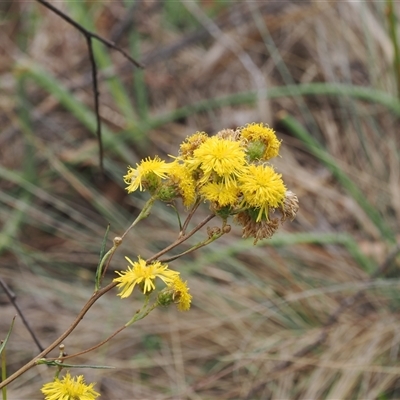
<point>95,296</point>
<point>91,348</point>
<point>192,249</point>
<point>181,239</point>
<point>89,36</point>
<point>87,33</point>
<point>96,101</point>
<point>11,296</point>
<point>58,341</point>
<point>189,217</point>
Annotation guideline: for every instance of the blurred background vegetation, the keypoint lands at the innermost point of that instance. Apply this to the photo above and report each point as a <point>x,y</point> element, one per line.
<point>324,75</point>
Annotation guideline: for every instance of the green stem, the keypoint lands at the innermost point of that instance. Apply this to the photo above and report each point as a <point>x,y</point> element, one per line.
<point>195,247</point>
<point>143,312</point>
<point>143,214</point>
<point>118,240</point>
<point>4,373</point>
<point>393,35</point>
<point>180,240</point>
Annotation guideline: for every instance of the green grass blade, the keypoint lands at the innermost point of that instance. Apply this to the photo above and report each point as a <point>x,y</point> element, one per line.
<point>362,93</point>
<point>3,345</point>
<point>80,12</point>
<point>315,148</point>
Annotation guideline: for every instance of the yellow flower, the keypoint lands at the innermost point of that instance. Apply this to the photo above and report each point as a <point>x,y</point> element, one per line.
<point>182,178</point>
<point>264,134</point>
<point>148,172</point>
<point>262,188</point>
<point>181,295</point>
<point>69,389</point>
<point>224,195</point>
<point>142,275</point>
<point>224,157</point>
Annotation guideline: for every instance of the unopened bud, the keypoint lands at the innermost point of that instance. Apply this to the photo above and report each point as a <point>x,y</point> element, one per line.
<point>117,240</point>
<point>226,228</point>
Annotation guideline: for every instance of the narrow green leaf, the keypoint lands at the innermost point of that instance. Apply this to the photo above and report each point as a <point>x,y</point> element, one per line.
<point>99,269</point>
<point>56,363</point>
<point>3,345</point>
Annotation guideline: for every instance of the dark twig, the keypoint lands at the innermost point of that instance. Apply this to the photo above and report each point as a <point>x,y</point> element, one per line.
<point>89,36</point>
<point>13,301</point>
<point>332,319</point>
<point>96,100</point>
<point>87,33</point>
<point>119,29</point>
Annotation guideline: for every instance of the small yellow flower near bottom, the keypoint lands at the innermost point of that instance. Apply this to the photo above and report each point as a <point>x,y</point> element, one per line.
<point>69,388</point>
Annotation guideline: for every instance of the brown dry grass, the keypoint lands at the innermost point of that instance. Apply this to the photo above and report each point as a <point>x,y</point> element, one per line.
<point>253,307</point>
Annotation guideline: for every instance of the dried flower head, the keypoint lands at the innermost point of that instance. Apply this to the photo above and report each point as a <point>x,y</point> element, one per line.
<point>258,230</point>
<point>192,143</point>
<point>228,134</point>
<point>290,206</point>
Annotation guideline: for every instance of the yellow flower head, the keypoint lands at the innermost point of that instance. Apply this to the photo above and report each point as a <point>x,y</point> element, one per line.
<point>148,173</point>
<point>225,158</point>
<point>181,295</point>
<point>262,134</point>
<point>262,189</point>
<point>143,275</point>
<point>69,388</point>
<point>191,144</point>
<point>223,195</point>
<point>181,177</point>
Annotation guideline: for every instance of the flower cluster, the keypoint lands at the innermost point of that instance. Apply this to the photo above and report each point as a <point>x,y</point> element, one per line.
<point>230,171</point>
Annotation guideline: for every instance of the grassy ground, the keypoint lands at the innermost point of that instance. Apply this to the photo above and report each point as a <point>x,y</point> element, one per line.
<point>323,75</point>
